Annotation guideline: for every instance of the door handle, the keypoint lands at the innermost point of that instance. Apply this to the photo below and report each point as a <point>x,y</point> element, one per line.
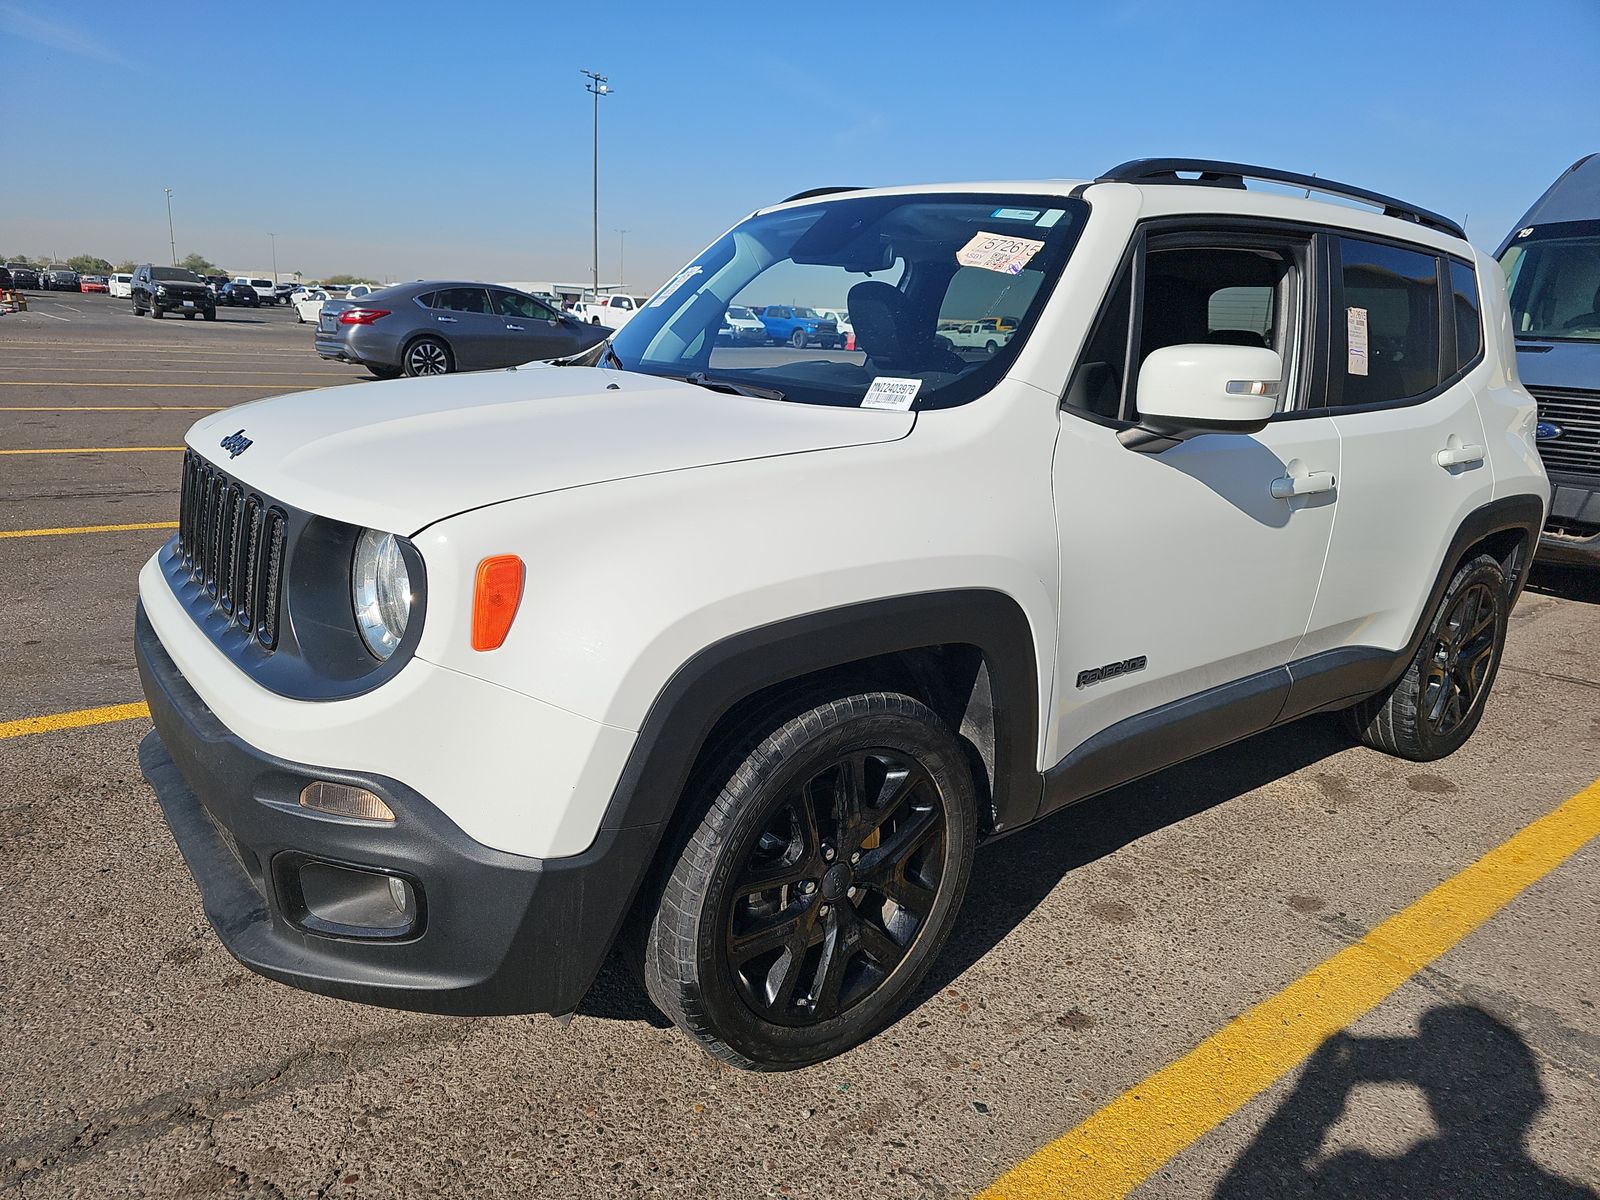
<point>518,328</point>
<point>1290,486</point>
<point>445,320</point>
<point>1459,456</point>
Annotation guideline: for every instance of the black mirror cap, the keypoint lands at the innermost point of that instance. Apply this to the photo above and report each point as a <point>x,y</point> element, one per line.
<point>1156,436</point>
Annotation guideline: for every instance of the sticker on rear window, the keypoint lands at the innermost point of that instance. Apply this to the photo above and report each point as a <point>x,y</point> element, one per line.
<point>1355,329</point>
<point>997,252</point>
<point>891,393</point>
<point>677,281</point>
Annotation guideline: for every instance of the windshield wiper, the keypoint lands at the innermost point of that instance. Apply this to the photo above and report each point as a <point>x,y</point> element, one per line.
<point>701,379</point>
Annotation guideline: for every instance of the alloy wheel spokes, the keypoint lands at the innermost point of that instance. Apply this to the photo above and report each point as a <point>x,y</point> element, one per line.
<point>1463,654</point>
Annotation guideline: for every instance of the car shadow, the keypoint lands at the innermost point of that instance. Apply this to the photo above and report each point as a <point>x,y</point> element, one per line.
<point>1570,583</point>
<point>1012,877</point>
<point>1482,1088</point>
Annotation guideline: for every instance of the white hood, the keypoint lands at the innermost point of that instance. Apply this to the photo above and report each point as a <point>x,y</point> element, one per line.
<point>398,456</point>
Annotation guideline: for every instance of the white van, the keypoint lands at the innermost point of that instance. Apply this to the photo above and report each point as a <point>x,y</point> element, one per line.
<point>120,285</point>
<point>264,288</point>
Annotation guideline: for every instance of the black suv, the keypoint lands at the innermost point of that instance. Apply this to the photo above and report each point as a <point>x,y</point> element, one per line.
<point>160,290</point>
<point>59,279</point>
<point>23,277</point>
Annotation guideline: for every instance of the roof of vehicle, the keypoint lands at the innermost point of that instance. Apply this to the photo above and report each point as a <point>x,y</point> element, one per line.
<point>1574,196</point>
<point>1167,197</point>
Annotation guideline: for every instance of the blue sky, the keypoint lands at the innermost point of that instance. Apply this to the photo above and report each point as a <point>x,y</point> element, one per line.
<point>400,139</point>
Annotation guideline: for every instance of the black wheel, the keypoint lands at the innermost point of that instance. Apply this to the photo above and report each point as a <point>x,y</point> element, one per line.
<point>155,310</point>
<point>990,346</point>
<point>188,316</point>
<point>1434,707</point>
<point>797,339</point>
<point>820,883</point>
<point>137,311</point>
<point>211,314</point>
<point>382,372</point>
<point>427,356</point>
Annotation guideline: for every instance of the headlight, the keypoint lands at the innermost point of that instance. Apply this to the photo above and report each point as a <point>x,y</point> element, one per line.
<point>380,589</point>
<point>161,290</point>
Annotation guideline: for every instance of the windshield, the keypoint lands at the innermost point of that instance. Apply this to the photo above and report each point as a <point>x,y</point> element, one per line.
<point>903,266</point>
<point>1553,277</point>
<point>173,275</point>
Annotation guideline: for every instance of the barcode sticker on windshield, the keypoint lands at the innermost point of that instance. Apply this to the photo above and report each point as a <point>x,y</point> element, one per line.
<point>891,393</point>
<point>1355,328</point>
<point>997,252</point>
<point>673,285</point>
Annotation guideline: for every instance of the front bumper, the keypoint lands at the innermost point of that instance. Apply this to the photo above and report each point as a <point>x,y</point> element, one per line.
<point>176,303</point>
<point>496,932</point>
<point>1574,511</point>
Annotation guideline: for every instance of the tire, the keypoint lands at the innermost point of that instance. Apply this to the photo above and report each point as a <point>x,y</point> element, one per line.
<point>1433,708</point>
<point>990,346</point>
<point>383,372</point>
<point>427,356</point>
<point>211,314</point>
<point>777,998</point>
<point>797,339</point>
<point>155,310</point>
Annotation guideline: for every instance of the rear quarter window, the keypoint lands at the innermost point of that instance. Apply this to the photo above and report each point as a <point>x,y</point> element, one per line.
<point>1394,294</point>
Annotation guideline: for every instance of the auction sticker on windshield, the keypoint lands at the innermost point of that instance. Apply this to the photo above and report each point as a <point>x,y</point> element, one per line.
<point>673,285</point>
<point>886,392</point>
<point>997,252</point>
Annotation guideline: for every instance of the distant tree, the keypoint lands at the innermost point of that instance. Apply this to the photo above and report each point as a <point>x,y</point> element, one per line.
<point>126,267</point>
<point>22,260</point>
<point>201,265</point>
<point>88,264</point>
<point>341,280</point>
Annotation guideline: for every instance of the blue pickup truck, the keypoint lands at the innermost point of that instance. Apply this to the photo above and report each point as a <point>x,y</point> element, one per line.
<point>799,326</point>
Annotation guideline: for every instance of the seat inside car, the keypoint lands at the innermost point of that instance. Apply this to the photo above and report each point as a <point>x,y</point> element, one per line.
<point>891,335</point>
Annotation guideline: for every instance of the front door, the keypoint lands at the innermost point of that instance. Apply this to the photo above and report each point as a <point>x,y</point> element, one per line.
<point>533,330</point>
<point>1186,571</point>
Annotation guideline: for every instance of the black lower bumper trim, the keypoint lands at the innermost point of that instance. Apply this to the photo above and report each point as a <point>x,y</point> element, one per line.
<point>504,933</point>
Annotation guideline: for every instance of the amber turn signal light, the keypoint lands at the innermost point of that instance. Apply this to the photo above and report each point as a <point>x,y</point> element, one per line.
<point>495,600</point>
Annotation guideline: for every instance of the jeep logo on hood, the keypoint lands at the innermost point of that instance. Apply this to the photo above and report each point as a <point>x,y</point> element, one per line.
<point>236,444</point>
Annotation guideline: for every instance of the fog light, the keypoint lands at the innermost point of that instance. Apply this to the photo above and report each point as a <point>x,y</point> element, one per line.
<point>336,900</point>
<point>342,800</point>
<point>399,893</point>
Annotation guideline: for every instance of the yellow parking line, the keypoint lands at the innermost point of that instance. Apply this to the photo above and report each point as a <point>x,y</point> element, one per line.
<point>68,529</point>
<point>101,450</point>
<point>109,408</point>
<point>120,384</point>
<point>1128,1140</point>
<point>73,720</point>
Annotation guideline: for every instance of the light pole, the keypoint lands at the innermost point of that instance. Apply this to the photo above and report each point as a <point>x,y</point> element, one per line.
<point>171,239</point>
<point>274,239</point>
<point>597,87</point>
<point>622,259</point>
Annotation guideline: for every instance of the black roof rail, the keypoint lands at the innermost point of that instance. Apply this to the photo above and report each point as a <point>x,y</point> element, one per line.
<point>821,191</point>
<point>1212,173</point>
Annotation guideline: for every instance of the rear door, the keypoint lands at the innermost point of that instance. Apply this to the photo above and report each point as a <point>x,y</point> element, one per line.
<point>1414,460</point>
<point>532,330</point>
<point>467,322</point>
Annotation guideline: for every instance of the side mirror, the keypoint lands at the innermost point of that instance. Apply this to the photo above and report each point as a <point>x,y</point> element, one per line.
<point>1185,391</point>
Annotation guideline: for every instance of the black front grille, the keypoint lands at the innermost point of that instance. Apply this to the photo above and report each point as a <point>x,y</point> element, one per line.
<point>1576,449</point>
<point>231,543</point>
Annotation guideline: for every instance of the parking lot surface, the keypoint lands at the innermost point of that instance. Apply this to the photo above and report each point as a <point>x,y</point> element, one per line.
<point>1095,953</point>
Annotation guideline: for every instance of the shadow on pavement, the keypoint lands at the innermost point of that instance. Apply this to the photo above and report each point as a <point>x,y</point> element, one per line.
<point>1011,878</point>
<point>1570,583</point>
<point>1481,1085</point>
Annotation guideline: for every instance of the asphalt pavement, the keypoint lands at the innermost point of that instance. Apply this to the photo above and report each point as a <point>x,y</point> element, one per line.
<point>1136,976</point>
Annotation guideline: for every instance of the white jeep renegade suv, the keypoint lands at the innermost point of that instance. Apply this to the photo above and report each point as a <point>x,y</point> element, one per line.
<point>457,680</point>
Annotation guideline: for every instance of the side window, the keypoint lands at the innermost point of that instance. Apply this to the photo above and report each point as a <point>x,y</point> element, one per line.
<point>1469,326</point>
<point>1391,302</point>
<point>1221,295</point>
<point>427,299</point>
<point>467,300</point>
<point>509,304</point>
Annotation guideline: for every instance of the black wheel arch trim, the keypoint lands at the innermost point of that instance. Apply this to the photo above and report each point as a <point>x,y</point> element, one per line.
<point>727,672</point>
